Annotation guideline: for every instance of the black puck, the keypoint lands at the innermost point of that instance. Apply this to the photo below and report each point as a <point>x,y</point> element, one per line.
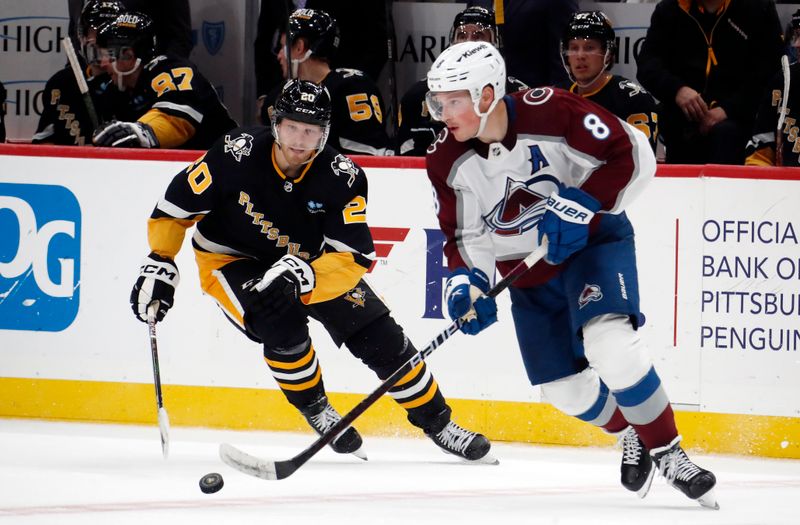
<point>211,483</point>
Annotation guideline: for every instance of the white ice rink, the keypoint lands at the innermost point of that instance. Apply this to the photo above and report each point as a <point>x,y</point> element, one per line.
<point>69,473</point>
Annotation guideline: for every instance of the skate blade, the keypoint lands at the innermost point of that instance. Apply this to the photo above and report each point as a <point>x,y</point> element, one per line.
<point>642,492</point>
<point>359,453</point>
<point>708,500</point>
<point>488,459</point>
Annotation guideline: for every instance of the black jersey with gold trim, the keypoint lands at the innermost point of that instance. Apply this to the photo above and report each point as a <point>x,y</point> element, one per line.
<point>244,206</point>
<point>761,147</point>
<point>64,119</point>
<point>357,126</point>
<point>173,87</point>
<point>628,101</point>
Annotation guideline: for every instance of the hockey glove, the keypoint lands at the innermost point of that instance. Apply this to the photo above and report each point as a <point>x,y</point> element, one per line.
<point>158,278</point>
<point>118,134</point>
<point>282,285</point>
<point>566,223</point>
<point>465,298</point>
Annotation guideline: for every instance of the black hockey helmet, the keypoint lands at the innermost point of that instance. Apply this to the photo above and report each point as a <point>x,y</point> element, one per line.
<point>590,25</point>
<point>795,21</point>
<point>479,16</point>
<point>303,101</point>
<point>130,30</point>
<point>96,13</point>
<point>318,28</point>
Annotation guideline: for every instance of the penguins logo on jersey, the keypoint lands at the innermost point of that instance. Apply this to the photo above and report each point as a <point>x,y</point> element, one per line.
<point>591,292</point>
<point>357,296</point>
<point>343,165</point>
<point>241,145</point>
<point>522,205</point>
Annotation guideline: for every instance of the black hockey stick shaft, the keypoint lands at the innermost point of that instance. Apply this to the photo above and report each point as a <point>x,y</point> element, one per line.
<point>286,468</point>
<point>163,418</point>
<point>391,46</point>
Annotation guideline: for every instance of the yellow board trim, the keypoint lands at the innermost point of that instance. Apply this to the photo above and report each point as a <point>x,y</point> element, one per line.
<point>261,409</point>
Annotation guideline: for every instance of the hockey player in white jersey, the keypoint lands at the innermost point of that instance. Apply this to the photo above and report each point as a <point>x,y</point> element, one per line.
<point>510,170</point>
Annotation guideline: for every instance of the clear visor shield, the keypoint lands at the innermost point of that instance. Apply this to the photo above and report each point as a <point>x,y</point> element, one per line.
<point>112,55</point>
<point>299,135</point>
<point>91,53</point>
<point>585,48</point>
<point>473,33</point>
<point>448,105</point>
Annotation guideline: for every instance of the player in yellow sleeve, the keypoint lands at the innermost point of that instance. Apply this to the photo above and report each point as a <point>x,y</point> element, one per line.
<point>282,236</point>
<point>166,102</point>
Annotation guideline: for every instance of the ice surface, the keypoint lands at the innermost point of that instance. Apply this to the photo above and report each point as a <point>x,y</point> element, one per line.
<point>70,473</point>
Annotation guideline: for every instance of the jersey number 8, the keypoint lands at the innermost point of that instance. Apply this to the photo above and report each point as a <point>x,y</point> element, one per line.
<point>596,126</point>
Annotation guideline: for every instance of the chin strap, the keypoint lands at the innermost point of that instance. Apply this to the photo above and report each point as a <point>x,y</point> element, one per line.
<point>122,74</point>
<point>297,61</point>
<point>484,116</point>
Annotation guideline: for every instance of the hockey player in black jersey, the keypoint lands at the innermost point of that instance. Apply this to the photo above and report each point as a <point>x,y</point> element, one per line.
<point>282,236</point>
<point>763,147</point>
<point>357,116</point>
<point>417,130</point>
<point>168,103</point>
<point>65,119</point>
<point>587,52</point>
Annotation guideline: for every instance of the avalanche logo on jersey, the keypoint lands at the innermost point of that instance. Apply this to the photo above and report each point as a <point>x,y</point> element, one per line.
<point>522,205</point>
<point>241,145</point>
<point>343,165</point>
<point>591,292</point>
<point>40,239</point>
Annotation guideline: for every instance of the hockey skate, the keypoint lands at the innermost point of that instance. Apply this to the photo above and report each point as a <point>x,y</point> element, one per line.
<point>322,416</point>
<point>679,471</point>
<point>637,467</point>
<point>467,445</point>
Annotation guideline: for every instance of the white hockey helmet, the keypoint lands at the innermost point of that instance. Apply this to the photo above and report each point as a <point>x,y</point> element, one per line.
<point>469,66</point>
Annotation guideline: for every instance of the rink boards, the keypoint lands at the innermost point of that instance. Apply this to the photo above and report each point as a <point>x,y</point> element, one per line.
<point>719,263</point>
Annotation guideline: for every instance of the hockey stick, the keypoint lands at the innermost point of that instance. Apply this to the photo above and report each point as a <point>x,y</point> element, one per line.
<point>391,38</point>
<point>782,112</point>
<point>163,418</point>
<point>269,469</point>
<point>81,80</point>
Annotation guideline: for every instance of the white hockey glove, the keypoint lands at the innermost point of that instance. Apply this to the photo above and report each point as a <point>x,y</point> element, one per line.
<point>282,285</point>
<point>158,278</point>
<point>118,134</point>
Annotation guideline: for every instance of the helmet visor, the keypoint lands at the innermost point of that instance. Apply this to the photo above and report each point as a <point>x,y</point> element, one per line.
<point>473,33</point>
<point>448,104</point>
<point>299,135</point>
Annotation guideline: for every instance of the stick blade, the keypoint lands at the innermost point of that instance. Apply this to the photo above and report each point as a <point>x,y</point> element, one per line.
<point>251,465</point>
<point>163,427</point>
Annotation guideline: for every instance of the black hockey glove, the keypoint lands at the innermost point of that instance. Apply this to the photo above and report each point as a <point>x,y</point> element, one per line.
<point>116,134</point>
<point>158,278</point>
<point>281,286</point>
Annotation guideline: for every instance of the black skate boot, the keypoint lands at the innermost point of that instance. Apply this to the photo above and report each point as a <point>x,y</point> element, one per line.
<point>637,467</point>
<point>679,471</point>
<point>467,445</point>
<point>322,416</point>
